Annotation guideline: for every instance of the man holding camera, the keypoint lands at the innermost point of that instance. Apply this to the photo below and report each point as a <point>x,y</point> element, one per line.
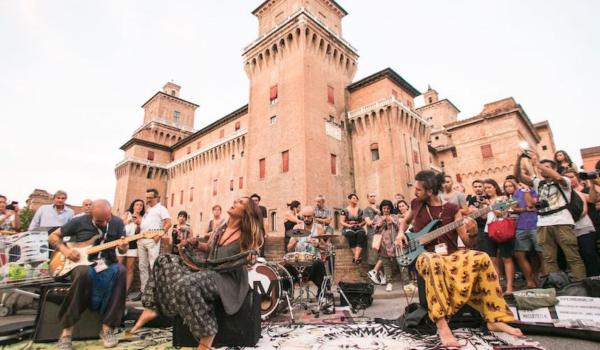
<point>477,201</point>
<point>555,223</point>
<point>9,215</point>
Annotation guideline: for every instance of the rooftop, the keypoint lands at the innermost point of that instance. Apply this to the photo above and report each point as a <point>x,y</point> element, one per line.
<point>590,151</point>
<point>175,97</point>
<point>386,73</point>
<point>333,2</point>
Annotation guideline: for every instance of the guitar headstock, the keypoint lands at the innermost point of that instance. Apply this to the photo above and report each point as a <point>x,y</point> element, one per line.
<point>152,233</point>
<point>504,204</point>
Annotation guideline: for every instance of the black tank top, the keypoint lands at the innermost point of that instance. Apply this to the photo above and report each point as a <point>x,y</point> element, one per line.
<point>289,225</point>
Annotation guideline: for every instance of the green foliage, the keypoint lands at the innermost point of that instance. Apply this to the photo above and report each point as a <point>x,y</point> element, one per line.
<point>26,215</point>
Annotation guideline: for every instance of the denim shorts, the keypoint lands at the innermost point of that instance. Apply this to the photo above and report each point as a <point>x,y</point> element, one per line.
<point>526,240</point>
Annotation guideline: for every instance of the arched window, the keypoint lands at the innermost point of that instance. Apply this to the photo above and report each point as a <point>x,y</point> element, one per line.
<point>374,151</point>
<point>273,221</point>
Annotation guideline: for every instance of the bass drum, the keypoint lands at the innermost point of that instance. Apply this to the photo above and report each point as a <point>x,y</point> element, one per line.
<point>272,282</point>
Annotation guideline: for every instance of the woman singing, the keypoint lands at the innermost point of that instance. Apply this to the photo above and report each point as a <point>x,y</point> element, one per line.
<point>175,290</point>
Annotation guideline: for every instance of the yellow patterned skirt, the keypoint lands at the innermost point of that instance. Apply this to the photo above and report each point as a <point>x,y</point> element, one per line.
<point>463,277</point>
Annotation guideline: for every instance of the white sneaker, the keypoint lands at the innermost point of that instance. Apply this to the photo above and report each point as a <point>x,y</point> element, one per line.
<point>373,276</point>
<point>382,279</point>
<point>389,287</point>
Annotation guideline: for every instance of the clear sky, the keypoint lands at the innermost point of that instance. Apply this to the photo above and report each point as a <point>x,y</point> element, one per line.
<point>73,74</point>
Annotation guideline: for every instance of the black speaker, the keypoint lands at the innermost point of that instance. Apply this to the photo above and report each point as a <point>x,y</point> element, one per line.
<point>360,295</point>
<point>47,327</point>
<point>241,329</point>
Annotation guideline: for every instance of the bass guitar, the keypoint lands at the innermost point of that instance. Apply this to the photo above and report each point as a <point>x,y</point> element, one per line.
<point>60,265</point>
<point>416,241</point>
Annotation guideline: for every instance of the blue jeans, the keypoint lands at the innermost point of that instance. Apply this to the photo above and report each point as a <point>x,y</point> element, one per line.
<point>587,250</point>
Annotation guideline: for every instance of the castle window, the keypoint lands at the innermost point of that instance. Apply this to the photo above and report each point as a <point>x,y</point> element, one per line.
<point>273,120</point>
<point>395,94</point>
<point>330,97</point>
<point>261,168</point>
<point>215,186</point>
<point>430,100</point>
<point>176,117</point>
<point>454,154</point>
<point>333,158</point>
<point>437,137</point>
<point>181,197</point>
<point>442,164</point>
<point>544,148</point>
<point>273,94</point>
<point>189,150</point>
<point>374,151</point>
<point>237,126</point>
<point>198,144</point>
<point>458,178</point>
<point>173,93</point>
<point>241,182</point>
<point>172,199</point>
<point>191,194</point>
<point>486,151</point>
<point>231,185</point>
<point>200,216</point>
<point>222,133</point>
<point>150,155</point>
<point>285,161</point>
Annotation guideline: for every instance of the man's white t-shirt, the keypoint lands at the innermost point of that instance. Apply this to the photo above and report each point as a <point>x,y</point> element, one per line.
<point>556,200</point>
<point>153,218</point>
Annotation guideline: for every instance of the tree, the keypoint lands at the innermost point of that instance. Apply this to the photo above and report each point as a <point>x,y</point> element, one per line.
<point>25,216</point>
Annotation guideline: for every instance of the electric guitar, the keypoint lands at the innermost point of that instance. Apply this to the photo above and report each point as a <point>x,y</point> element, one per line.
<point>416,241</point>
<point>60,265</point>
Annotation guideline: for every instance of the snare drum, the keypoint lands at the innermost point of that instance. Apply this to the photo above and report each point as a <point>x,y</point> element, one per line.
<point>271,281</point>
<point>300,259</point>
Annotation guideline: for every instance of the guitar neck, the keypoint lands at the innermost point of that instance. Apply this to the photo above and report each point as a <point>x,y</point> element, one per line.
<point>435,234</point>
<point>116,243</point>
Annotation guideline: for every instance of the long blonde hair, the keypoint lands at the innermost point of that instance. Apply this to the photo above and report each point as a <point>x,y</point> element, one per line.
<point>251,227</point>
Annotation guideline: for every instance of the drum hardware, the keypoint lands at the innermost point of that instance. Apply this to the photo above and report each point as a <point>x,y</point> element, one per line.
<point>298,233</point>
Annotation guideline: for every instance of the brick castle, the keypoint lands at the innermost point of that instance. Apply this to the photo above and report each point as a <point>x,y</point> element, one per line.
<point>309,129</point>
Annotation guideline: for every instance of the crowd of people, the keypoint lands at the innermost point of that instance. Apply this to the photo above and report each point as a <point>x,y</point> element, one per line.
<point>556,232</point>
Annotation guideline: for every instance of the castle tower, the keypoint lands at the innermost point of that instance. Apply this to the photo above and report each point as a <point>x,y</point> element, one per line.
<point>299,68</point>
<point>167,120</point>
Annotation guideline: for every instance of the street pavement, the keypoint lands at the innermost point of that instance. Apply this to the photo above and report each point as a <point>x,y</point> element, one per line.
<point>390,305</point>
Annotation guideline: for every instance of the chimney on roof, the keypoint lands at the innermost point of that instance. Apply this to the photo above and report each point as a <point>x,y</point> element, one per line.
<point>430,96</point>
<point>172,89</point>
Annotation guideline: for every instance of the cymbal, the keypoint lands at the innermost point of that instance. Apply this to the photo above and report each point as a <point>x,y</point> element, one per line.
<point>298,233</point>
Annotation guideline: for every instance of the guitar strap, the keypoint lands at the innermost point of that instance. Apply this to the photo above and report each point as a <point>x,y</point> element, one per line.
<point>439,216</point>
<point>103,236</point>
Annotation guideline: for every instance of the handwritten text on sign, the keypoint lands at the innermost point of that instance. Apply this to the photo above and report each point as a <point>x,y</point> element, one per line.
<point>578,308</point>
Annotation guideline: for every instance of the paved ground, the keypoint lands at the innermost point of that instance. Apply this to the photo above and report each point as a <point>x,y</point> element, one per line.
<point>390,305</point>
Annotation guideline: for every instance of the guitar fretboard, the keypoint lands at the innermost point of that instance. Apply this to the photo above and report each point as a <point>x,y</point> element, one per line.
<point>116,243</point>
<point>426,238</point>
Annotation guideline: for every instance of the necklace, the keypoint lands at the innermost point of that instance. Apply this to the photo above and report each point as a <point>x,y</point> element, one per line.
<point>226,239</point>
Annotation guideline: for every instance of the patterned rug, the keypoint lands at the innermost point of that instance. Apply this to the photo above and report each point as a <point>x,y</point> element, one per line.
<point>368,336</point>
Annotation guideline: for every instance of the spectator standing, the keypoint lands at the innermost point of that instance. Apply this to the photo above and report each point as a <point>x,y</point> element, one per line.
<point>263,210</point>
<point>323,214</point>
<point>132,220</point>
<point>555,223</point>
<point>9,218</point>
<point>526,236</point>
<point>156,217</point>
<point>563,161</point>
<point>52,216</point>
<point>215,222</point>
<point>86,205</point>
<point>291,218</point>
<point>584,227</point>
<point>387,225</point>
<point>491,247</point>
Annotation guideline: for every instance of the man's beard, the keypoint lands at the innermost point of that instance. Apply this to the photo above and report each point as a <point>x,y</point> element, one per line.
<point>308,223</point>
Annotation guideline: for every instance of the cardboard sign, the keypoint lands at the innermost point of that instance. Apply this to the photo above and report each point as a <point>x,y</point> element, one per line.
<point>578,308</point>
<point>535,316</point>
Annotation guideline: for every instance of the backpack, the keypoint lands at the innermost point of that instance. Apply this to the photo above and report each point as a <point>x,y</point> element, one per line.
<point>574,206</point>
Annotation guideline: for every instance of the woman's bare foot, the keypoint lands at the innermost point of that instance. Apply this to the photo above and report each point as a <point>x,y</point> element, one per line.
<point>146,316</point>
<point>446,337</point>
<point>503,327</point>
<point>206,343</point>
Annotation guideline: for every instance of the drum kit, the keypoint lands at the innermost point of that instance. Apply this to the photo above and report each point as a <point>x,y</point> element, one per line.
<point>277,285</point>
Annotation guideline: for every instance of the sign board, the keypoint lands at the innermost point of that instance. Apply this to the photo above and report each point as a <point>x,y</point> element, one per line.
<point>535,316</point>
<point>578,308</point>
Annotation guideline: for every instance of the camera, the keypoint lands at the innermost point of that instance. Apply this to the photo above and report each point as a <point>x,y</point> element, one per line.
<point>12,205</point>
<point>588,175</point>
<point>526,154</point>
<point>542,204</point>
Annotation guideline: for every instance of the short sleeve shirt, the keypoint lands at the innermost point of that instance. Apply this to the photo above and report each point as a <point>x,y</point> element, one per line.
<point>550,192</point>
<point>527,219</point>
<point>154,217</point>
<point>82,228</point>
